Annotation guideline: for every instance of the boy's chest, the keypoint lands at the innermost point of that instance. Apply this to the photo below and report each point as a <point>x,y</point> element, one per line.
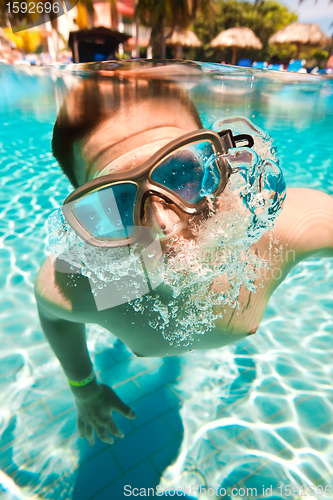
<point>157,326</point>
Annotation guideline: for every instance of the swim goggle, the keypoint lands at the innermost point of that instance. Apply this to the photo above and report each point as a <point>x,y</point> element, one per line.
<point>106,211</point>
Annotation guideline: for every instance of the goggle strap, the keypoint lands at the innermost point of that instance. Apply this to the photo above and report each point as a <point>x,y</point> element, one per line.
<point>242,138</point>
<point>227,139</point>
<point>230,141</point>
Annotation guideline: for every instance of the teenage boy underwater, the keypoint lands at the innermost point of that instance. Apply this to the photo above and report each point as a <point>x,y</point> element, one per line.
<point>136,148</point>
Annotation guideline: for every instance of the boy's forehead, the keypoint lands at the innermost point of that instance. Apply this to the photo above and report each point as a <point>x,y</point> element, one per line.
<point>135,124</point>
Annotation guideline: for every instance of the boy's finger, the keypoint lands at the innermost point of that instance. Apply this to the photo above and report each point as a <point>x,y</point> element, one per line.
<point>103,435</point>
<point>120,406</point>
<point>125,410</point>
<point>109,424</point>
<point>90,434</point>
<point>81,427</point>
<point>113,429</point>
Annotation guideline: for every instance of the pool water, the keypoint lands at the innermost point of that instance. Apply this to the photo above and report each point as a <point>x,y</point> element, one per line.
<point>257,414</point>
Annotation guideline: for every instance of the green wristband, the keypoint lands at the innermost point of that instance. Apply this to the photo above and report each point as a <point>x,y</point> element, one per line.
<point>80,383</point>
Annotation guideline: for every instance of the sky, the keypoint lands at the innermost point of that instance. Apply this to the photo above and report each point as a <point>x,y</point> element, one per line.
<point>320,12</point>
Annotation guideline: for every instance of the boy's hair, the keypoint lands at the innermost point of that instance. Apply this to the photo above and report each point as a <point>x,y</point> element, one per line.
<point>99,98</point>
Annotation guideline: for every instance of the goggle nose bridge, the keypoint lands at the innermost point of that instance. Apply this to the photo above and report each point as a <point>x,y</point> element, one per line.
<point>152,190</point>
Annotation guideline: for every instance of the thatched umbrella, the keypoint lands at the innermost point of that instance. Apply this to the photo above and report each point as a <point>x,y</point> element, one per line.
<point>237,38</point>
<point>300,34</point>
<point>181,38</point>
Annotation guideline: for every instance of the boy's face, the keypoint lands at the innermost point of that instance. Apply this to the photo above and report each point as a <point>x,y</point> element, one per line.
<point>128,139</point>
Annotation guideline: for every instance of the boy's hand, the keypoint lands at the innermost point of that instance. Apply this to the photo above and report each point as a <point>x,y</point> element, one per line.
<point>94,413</point>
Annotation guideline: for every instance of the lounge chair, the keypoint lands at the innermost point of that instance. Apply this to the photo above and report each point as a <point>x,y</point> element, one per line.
<point>297,66</point>
<point>259,64</point>
<point>321,71</point>
<point>246,63</point>
<point>276,67</point>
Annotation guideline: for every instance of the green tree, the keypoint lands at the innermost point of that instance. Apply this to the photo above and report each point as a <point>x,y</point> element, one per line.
<point>264,19</point>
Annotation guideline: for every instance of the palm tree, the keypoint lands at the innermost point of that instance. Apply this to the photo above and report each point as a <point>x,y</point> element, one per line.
<point>159,14</point>
<point>114,13</point>
<point>206,7</point>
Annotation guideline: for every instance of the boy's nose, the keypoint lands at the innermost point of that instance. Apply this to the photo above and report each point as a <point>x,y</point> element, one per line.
<point>164,217</point>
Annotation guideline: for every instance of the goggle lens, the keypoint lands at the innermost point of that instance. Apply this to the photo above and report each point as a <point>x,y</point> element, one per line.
<point>191,171</point>
<point>108,213</point>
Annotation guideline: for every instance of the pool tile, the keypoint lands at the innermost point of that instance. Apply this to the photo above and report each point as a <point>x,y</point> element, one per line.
<point>31,396</point>
<point>174,419</point>
<point>123,371</point>
<point>95,474</point>
<point>39,354</point>
<point>142,443</point>
<point>43,439</point>
<point>142,476</point>
<point>155,362</point>
<point>84,451</point>
<point>6,495</point>
<point>6,304</point>
<point>44,387</point>
<point>54,381</point>
<point>313,412</point>
<point>26,479</point>
<point>8,435</point>
<point>10,468</point>
<point>164,457</point>
<point>120,352</point>
<point>30,339</point>
<point>60,402</point>
<point>104,360</point>
<point>36,413</point>
<point>124,424</point>
<point>15,328</point>
<point>11,363</point>
<point>153,405</point>
<point>179,389</point>
<point>167,372</point>
<point>129,392</point>
<point>57,488</point>
<point>5,381</point>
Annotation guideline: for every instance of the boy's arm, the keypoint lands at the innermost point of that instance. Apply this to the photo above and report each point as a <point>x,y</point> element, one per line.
<point>94,401</point>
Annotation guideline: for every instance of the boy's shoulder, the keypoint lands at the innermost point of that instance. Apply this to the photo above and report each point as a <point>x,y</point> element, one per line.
<point>305,224</point>
<point>62,293</point>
